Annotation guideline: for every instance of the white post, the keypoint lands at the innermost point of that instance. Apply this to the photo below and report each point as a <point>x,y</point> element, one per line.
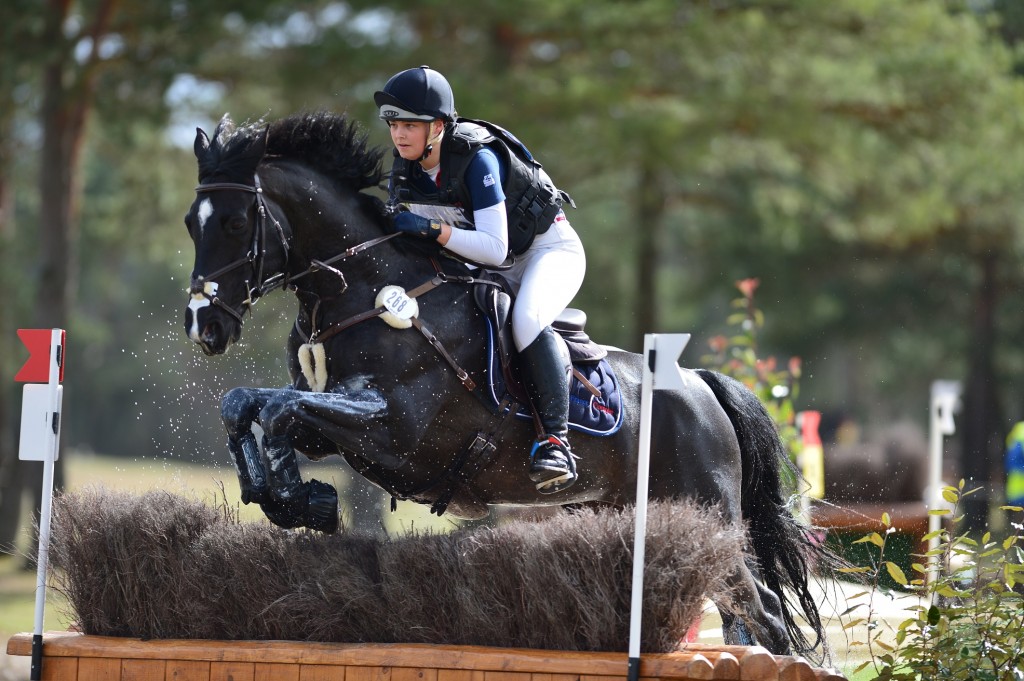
<point>944,400</point>
<point>40,441</point>
<point>660,372</point>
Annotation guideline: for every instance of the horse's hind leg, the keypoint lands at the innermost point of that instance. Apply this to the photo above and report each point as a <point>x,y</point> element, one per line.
<point>734,631</point>
<point>759,615</point>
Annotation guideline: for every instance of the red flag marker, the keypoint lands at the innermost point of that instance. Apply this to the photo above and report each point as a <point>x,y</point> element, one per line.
<point>37,368</point>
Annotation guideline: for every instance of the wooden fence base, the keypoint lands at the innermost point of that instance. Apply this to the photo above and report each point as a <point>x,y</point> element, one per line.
<point>69,656</point>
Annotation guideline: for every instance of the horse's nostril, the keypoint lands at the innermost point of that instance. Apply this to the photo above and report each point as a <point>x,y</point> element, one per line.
<point>202,287</point>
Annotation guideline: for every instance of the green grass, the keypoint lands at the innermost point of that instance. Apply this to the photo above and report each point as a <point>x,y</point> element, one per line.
<point>17,600</point>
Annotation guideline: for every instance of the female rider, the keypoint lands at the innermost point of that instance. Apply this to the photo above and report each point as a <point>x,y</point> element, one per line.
<point>508,205</point>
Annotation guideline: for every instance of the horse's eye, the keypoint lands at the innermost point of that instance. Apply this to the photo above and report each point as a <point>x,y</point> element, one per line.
<point>236,225</point>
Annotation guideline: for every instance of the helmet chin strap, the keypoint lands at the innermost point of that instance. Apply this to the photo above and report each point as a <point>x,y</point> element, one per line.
<point>430,144</point>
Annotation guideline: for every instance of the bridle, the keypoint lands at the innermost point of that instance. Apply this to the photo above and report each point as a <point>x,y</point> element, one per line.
<point>257,254</point>
<point>254,258</point>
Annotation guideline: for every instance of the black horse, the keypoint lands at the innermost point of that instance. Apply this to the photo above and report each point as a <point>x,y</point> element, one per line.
<point>283,205</point>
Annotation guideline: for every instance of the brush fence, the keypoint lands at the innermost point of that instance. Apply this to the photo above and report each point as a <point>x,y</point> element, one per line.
<point>71,656</point>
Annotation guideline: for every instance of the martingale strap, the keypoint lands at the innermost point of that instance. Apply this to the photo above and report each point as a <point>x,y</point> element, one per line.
<point>436,344</point>
<point>338,327</point>
<point>439,279</point>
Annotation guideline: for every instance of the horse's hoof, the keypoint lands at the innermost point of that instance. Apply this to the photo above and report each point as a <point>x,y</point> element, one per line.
<point>314,506</point>
<point>285,514</point>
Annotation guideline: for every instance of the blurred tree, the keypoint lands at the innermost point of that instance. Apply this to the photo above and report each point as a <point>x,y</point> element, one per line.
<point>860,158</point>
<point>784,133</point>
<point>68,52</point>
<point>888,133</point>
<point>17,19</point>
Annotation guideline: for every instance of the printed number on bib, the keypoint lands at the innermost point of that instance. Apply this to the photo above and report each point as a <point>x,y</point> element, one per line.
<point>400,308</point>
<point>399,304</point>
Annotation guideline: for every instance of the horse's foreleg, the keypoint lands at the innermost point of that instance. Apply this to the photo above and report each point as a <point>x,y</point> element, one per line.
<point>292,502</point>
<point>239,409</point>
<point>292,417</point>
<point>271,478</point>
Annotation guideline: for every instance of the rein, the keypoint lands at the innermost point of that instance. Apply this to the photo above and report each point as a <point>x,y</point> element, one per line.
<point>318,265</point>
<point>257,253</point>
<point>256,256</point>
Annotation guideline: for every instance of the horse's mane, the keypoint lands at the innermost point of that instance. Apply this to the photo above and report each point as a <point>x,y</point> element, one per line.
<point>324,141</point>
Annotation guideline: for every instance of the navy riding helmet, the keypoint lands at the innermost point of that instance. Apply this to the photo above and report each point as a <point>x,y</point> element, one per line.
<point>419,94</point>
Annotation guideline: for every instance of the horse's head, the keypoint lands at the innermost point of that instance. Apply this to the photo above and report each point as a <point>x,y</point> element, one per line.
<point>240,246</point>
<point>249,241</point>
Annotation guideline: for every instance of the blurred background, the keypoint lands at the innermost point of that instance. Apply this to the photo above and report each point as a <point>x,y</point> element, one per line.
<point>863,159</point>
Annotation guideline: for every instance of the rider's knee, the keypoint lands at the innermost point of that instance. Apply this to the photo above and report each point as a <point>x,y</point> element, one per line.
<point>525,329</point>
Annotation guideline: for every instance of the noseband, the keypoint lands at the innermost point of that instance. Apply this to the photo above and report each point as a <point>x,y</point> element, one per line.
<point>254,258</point>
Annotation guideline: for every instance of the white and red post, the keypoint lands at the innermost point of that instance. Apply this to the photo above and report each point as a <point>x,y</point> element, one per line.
<point>42,397</point>
<point>660,373</point>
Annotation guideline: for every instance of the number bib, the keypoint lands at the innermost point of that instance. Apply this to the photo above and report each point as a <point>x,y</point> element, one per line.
<point>400,308</point>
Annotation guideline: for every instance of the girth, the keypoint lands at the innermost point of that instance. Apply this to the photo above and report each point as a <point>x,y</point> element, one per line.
<point>471,460</point>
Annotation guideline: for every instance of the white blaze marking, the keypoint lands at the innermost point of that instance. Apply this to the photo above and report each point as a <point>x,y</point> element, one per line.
<point>205,211</point>
<point>198,302</point>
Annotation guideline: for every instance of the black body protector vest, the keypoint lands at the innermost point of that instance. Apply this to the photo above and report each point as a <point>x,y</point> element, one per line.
<point>531,200</point>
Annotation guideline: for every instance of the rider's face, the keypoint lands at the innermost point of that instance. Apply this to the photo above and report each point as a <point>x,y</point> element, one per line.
<point>410,138</point>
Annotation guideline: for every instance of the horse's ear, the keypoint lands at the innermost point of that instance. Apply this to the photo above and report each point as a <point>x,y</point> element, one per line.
<point>225,124</point>
<point>256,150</point>
<point>202,143</point>
<point>261,141</point>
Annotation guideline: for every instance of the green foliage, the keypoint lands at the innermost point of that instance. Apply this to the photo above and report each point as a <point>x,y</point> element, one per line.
<point>969,619</point>
<point>738,356</point>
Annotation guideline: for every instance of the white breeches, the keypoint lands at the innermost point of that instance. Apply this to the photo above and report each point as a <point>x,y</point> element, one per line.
<point>545,279</point>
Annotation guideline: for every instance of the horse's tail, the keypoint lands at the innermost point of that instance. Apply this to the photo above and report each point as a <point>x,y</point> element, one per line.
<point>783,546</point>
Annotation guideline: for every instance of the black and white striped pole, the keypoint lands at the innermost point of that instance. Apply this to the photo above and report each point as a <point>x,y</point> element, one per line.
<point>660,372</point>
<point>41,401</point>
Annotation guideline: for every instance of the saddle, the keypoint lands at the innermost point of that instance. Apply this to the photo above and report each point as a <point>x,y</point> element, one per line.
<point>452,487</point>
<point>495,302</point>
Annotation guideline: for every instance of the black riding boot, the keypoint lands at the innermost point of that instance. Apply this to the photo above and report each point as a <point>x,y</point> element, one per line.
<point>294,503</point>
<point>545,371</point>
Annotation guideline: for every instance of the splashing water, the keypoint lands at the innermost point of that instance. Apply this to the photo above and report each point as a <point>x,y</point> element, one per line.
<point>179,388</point>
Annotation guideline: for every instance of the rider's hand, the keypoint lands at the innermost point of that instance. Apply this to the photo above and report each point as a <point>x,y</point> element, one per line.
<point>410,223</point>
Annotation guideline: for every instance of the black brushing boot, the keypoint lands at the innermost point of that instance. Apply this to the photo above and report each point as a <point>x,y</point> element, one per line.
<point>294,503</point>
<point>252,473</point>
<point>545,371</point>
